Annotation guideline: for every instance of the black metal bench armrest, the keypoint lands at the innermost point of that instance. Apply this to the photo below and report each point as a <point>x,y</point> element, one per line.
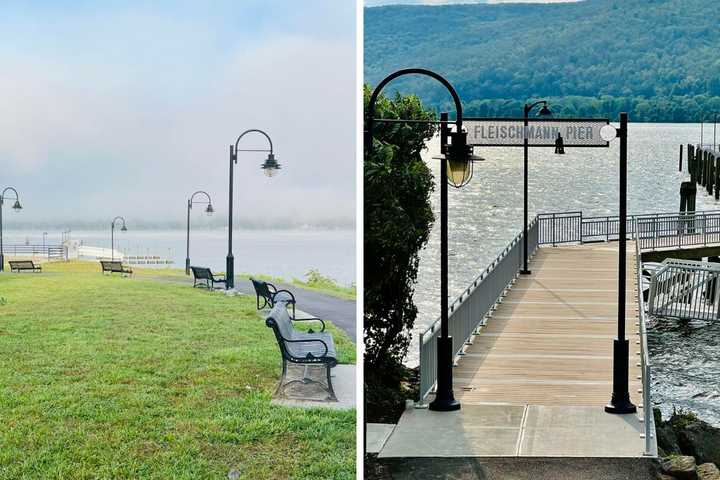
<point>272,288</point>
<point>306,319</point>
<point>284,291</point>
<point>307,340</point>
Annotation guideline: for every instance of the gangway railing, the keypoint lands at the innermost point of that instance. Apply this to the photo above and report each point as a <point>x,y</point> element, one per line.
<point>469,310</point>
<point>685,289</point>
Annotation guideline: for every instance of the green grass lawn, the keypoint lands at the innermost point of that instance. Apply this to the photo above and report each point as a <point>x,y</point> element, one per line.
<point>109,377</point>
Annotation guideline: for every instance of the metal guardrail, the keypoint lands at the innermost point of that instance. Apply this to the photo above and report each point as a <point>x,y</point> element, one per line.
<point>51,252</point>
<point>468,311</point>
<point>647,417</point>
<point>653,231</point>
<point>685,289</point>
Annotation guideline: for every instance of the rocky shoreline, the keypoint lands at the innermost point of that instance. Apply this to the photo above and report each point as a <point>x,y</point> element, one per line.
<point>688,448</point>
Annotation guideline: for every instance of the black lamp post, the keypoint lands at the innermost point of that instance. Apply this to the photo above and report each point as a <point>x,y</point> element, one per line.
<point>620,400</point>
<point>270,167</point>
<point>544,112</point>
<point>208,210</point>
<point>112,235</point>
<point>457,160</point>
<point>17,207</point>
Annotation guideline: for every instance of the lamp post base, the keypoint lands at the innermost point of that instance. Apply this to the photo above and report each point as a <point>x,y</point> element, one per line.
<point>187,266</point>
<point>2,262</point>
<point>620,402</point>
<point>525,272</point>
<point>229,272</point>
<point>444,397</point>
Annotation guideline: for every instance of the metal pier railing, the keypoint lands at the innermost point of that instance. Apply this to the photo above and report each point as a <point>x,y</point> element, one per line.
<point>469,310</point>
<point>654,231</point>
<point>647,410</point>
<point>51,252</point>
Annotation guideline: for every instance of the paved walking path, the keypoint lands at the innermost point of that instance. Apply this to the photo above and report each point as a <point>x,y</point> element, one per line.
<point>339,311</point>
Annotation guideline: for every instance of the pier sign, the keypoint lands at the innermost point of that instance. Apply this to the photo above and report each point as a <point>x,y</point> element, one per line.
<point>575,132</point>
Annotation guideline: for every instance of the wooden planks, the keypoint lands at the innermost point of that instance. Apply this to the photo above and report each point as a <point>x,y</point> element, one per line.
<point>550,340</point>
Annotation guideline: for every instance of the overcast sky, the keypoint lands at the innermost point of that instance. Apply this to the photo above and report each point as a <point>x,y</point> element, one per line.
<point>125,108</point>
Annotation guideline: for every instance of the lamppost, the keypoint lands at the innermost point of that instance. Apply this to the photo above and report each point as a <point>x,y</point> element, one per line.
<point>112,235</point>
<point>620,400</point>
<point>209,211</point>
<point>455,169</point>
<point>17,207</point>
<point>544,112</point>
<point>270,167</point>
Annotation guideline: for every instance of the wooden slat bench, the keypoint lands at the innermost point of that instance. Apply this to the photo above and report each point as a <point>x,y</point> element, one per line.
<point>114,266</point>
<point>203,277</point>
<point>304,348</point>
<point>24,266</point>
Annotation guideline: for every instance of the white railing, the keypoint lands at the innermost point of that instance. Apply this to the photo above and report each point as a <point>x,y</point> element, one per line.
<point>685,289</point>
<point>653,231</point>
<point>647,409</point>
<point>468,311</point>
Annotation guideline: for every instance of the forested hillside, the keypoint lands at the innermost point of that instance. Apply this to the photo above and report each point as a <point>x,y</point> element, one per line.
<point>659,60</point>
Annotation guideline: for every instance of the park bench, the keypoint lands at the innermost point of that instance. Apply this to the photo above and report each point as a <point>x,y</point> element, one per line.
<point>302,348</point>
<point>24,266</point>
<point>114,266</point>
<point>270,295</point>
<point>203,277</point>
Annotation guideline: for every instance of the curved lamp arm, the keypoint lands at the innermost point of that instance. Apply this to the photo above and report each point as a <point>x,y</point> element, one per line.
<point>191,201</point>
<point>408,71</point>
<point>2,195</point>
<point>118,218</point>
<point>528,108</point>
<point>252,130</point>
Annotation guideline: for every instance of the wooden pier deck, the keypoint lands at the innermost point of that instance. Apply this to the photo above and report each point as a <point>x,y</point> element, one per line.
<point>550,340</point>
<point>535,380</point>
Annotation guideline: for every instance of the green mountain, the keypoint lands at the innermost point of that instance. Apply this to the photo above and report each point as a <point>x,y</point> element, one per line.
<point>659,60</point>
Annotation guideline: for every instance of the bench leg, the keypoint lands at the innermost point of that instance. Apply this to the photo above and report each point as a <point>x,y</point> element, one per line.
<point>331,390</point>
<point>280,386</point>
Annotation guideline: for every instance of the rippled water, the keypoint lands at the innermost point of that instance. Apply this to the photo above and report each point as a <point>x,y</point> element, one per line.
<point>686,367</point>
<point>487,214</point>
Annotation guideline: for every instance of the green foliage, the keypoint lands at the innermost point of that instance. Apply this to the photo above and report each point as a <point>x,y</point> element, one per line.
<point>398,218</point>
<point>681,418</point>
<point>109,377</point>
<point>314,280</point>
<point>655,59</point>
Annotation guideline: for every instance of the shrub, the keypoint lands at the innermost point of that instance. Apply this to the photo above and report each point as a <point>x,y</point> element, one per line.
<point>397,221</point>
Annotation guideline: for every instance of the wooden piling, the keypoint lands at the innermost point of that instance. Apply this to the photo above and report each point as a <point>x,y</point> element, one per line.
<point>691,162</point>
<point>680,161</point>
<point>711,173</point>
<point>688,191</point>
